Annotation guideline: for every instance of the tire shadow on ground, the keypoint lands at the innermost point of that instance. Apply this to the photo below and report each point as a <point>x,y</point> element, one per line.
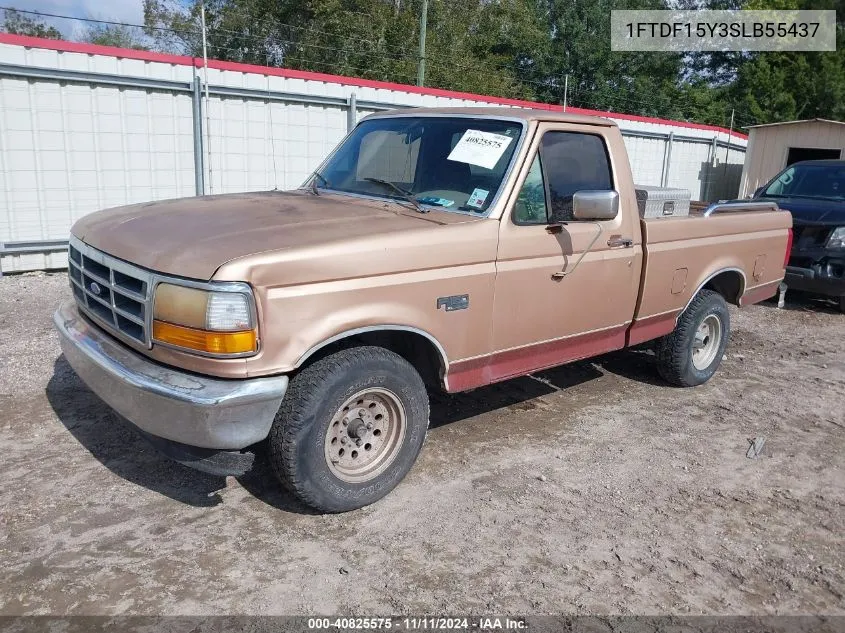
<point>118,446</point>
<point>798,301</point>
<point>637,364</point>
<point>115,443</point>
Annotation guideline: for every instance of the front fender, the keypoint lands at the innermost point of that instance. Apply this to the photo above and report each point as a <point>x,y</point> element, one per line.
<point>299,320</point>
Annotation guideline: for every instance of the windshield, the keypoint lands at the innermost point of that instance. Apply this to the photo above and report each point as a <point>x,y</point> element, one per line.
<point>809,181</point>
<point>456,163</point>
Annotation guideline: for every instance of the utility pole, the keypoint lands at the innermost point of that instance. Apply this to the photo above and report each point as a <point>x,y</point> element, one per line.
<point>565,91</point>
<point>207,100</point>
<point>730,134</point>
<point>421,64</point>
<point>728,148</point>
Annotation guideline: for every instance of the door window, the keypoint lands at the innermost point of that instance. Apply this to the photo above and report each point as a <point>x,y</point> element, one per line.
<point>567,162</point>
<point>573,161</point>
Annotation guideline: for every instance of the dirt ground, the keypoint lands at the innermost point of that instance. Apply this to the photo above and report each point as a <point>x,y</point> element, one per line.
<point>593,488</point>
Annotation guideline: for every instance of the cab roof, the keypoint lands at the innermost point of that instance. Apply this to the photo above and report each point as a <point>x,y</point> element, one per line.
<point>526,114</point>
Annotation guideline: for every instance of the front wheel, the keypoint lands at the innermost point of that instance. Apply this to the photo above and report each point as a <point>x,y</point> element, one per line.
<point>691,353</point>
<point>349,429</point>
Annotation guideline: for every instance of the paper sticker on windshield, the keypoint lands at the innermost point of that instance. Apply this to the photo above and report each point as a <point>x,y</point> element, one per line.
<point>480,148</point>
<point>478,198</point>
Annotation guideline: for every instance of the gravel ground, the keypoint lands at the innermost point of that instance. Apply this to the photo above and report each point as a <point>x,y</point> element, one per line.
<point>593,488</point>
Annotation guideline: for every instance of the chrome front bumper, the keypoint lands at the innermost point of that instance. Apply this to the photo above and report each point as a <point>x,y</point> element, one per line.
<point>165,402</point>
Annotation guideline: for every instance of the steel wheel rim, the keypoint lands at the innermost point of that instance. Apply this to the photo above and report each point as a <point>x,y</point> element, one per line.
<point>706,343</point>
<point>365,435</point>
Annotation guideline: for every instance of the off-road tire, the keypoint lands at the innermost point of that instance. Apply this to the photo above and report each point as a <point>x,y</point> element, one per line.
<point>298,435</point>
<point>674,351</point>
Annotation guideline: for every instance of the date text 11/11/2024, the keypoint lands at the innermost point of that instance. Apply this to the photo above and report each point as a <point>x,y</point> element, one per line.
<point>422,623</point>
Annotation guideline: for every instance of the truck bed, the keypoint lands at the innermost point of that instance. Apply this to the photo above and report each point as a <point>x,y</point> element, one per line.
<point>679,260</point>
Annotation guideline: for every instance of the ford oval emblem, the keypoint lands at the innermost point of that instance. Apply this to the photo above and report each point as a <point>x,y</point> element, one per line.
<point>95,288</point>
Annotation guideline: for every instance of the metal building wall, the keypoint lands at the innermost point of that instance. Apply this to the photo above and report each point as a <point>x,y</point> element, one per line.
<point>86,128</point>
<point>768,146</point>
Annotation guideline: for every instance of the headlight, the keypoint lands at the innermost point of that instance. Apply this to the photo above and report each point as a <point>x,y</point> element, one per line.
<point>837,238</point>
<point>209,321</point>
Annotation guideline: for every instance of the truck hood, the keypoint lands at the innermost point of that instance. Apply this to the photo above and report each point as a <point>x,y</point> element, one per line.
<point>812,211</point>
<point>193,237</point>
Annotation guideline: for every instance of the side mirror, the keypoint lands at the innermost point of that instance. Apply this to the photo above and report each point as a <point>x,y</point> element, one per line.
<point>758,192</point>
<point>595,205</point>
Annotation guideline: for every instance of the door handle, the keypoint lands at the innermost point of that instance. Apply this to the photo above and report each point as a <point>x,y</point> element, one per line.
<point>620,242</point>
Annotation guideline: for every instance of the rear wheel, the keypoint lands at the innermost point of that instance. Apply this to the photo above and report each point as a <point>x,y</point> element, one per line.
<point>691,353</point>
<point>349,429</point>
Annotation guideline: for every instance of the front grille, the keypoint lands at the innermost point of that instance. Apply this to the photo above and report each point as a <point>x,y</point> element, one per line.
<point>801,262</point>
<point>807,236</point>
<point>114,293</point>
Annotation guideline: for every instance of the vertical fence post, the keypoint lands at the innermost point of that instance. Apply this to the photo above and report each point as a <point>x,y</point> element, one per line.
<point>351,112</point>
<point>667,159</point>
<point>710,178</point>
<point>199,156</point>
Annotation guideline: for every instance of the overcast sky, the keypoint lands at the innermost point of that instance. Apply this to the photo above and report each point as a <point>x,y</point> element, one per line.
<point>130,11</point>
<point>118,10</point>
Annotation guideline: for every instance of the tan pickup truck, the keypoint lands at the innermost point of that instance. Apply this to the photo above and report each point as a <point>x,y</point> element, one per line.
<point>434,249</point>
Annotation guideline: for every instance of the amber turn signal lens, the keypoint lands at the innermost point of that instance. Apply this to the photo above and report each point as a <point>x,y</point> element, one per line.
<point>203,340</point>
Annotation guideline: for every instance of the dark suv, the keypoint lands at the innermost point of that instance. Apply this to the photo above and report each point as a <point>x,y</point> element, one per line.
<point>814,191</point>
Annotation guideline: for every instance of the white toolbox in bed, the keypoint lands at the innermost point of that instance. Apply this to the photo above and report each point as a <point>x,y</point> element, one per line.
<point>662,202</point>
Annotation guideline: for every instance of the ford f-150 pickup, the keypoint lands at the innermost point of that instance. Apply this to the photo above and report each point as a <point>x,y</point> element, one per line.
<point>433,249</point>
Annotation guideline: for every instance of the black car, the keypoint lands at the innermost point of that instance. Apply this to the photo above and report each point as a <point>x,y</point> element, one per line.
<point>814,191</point>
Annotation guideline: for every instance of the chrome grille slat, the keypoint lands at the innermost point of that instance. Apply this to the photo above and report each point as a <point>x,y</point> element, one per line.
<point>131,317</point>
<point>117,307</point>
<point>129,294</point>
<point>96,278</point>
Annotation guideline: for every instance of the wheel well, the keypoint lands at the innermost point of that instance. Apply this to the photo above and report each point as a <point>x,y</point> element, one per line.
<point>418,350</point>
<point>729,283</point>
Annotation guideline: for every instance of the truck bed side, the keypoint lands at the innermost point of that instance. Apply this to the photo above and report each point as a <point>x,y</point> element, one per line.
<point>741,255</point>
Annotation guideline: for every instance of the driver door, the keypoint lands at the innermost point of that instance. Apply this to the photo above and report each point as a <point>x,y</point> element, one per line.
<point>540,320</point>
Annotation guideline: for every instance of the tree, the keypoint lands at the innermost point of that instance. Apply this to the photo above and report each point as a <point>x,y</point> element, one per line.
<point>778,86</point>
<point>473,45</point>
<point>114,35</point>
<point>18,23</point>
<point>599,78</point>
<point>514,48</point>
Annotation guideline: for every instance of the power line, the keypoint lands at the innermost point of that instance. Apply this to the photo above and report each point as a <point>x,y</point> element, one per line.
<point>270,38</point>
<point>407,55</point>
<point>308,29</point>
<point>70,17</point>
<point>294,52</point>
<point>198,32</point>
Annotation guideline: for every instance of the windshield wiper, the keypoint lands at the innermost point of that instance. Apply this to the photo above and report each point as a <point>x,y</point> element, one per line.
<point>405,194</point>
<point>314,178</point>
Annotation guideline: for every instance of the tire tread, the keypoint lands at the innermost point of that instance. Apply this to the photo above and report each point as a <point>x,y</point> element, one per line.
<point>672,351</point>
<point>304,390</point>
